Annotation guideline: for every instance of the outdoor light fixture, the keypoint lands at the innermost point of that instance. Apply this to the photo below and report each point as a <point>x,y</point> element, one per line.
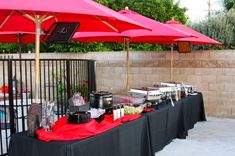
<point>61,32</point>
<point>184,47</point>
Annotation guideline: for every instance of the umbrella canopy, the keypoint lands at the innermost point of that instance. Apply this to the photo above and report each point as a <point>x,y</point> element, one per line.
<point>199,38</point>
<point>159,33</point>
<point>91,15</point>
<point>17,37</point>
<point>37,15</point>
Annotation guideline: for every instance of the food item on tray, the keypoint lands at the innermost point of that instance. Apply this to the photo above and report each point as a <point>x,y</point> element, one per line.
<point>128,110</point>
<point>97,114</point>
<point>128,100</point>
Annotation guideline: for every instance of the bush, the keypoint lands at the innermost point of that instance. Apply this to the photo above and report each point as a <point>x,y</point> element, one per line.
<point>219,27</point>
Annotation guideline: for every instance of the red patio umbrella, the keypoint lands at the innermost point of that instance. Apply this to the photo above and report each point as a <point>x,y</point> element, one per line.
<point>198,38</point>
<point>17,37</point>
<point>91,15</point>
<point>160,33</point>
<point>37,15</point>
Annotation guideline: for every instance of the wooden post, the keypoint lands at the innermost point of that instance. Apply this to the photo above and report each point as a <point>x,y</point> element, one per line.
<point>127,65</point>
<point>37,59</point>
<point>172,48</point>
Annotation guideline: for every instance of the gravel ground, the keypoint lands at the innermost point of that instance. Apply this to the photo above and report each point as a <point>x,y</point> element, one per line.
<point>216,137</point>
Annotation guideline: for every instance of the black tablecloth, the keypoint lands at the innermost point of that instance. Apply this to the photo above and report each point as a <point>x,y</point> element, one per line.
<point>126,140</point>
<point>170,122</point>
<point>141,137</point>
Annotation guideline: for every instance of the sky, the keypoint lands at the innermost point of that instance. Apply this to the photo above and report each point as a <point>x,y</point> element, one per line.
<point>198,9</point>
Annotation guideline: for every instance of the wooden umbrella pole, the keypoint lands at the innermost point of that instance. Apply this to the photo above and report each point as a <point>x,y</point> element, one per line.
<point>172,46</point>
<point>20,44</point>
<point>127,65</point>
<point>37,59</point>
<point>38,21</point>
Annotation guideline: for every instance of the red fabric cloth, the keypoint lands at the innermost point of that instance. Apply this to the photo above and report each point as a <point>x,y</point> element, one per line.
<point>148,109</point>
<point>65,131</point>
<point>128,118</point>
<point>5,89</point>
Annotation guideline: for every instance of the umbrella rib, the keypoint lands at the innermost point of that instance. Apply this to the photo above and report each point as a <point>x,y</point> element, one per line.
<point>43,19</point>
<point>46,17</point>
<point>106,23</point>
<point>56,19</point>
<point>5,20</point>
<point>27,15</point>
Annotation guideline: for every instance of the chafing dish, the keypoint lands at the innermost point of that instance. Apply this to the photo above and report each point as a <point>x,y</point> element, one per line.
<point>180,89</point>
<point>149,93</point>
<point>152,95</point>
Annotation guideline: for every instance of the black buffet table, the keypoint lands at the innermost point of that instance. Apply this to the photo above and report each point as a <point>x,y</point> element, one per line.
<point>141,137</point>
<point>170,122</point>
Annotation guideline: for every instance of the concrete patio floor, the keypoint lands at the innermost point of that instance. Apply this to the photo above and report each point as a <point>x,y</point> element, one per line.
<point>215,137</point>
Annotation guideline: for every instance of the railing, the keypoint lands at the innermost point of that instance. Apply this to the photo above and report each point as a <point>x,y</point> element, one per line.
<point>59,79</point>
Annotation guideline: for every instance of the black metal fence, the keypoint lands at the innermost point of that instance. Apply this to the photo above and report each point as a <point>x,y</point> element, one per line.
<point>59,79</point>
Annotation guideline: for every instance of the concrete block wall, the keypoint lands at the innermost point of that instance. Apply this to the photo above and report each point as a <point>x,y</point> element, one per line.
<point>213,72</point>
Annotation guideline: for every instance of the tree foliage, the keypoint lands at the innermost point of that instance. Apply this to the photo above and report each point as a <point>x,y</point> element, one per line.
<point>160,10</point>
<point>229,4</point>
<point>7,48</point>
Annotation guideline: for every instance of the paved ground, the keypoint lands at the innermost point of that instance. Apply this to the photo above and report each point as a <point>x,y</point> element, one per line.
<point>216,137</point>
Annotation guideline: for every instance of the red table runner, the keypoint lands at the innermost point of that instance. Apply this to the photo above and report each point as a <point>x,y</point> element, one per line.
<point>65,131</point>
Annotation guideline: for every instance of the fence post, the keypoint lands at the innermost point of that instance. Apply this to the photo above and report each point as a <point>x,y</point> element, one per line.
<point>91,76</point>
<point>11,103</point>
<point>68,76</point>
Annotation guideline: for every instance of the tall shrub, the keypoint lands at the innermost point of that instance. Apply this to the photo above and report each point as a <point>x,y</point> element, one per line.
<point>219,27</point>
